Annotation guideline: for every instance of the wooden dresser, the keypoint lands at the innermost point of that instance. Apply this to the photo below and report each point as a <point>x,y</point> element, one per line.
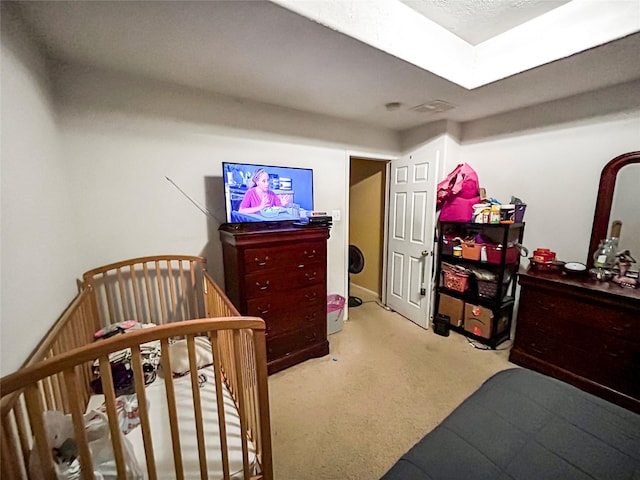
<point>584,332</point>
<point>279,273</point>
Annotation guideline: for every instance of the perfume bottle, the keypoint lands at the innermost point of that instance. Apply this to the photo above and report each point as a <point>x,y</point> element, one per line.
<point>604,257</point>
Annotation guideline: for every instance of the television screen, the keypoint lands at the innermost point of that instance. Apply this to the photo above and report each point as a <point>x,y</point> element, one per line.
<point>264,193</point>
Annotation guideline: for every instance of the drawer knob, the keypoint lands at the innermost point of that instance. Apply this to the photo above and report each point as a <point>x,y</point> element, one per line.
<point>261,263</point>
<point>264,310</point>
<point>311,276</point>
<point>310,254</point>
<point>311,296</point>
<point>311,317</point>
<point>262,286</point>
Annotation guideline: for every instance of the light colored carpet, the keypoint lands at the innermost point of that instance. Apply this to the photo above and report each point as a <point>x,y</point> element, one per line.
<point>384,385</point>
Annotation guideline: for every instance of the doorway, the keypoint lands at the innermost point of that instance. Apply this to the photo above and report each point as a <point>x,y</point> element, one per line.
<point>392,212</point>
<point>367,207</point>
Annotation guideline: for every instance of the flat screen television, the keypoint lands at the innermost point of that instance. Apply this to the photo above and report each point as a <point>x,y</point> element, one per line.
<point>266,193</point>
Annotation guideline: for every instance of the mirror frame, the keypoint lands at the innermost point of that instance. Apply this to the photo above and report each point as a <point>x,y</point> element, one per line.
<point>606,188</point>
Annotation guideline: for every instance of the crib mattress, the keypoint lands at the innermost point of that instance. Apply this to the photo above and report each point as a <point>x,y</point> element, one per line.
<point>161,432</point>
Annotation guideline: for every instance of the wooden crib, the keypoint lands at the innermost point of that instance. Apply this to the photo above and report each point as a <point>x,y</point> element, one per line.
<point>177,294</point>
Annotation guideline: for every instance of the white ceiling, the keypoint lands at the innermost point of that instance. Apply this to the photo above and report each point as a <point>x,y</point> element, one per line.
<point>320,59</point>
<point>475,21</point>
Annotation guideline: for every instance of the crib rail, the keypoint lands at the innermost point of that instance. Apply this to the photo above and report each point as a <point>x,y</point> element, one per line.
<point>249,390</point>
<point>238,335</point>
<point>155,289</point>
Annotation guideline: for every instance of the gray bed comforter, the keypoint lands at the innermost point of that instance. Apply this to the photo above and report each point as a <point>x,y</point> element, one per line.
<point>524,425</point>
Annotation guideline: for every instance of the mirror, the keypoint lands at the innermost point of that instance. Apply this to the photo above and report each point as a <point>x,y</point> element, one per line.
<point>618,200</point>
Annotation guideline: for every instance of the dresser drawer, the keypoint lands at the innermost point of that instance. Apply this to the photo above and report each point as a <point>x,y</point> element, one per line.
<point>304,307</point>
<point>265,283</point>
<point>548,310</point>
<point>279,258</point>
<point>297,300</point>
<point>538,345</point>
<point>284,345</point>
<point>277,324</point>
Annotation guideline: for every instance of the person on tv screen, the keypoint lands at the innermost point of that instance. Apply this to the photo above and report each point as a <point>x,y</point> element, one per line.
<point>259,197</point>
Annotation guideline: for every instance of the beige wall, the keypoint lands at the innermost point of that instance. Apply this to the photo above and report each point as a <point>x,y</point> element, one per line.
<point>41,236</point>
<point>366,219</point>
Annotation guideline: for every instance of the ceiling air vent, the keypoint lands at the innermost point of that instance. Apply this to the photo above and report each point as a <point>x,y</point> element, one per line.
<point>435,106</point>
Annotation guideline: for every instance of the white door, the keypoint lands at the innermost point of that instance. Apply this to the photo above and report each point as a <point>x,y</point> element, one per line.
<point>411,235</point>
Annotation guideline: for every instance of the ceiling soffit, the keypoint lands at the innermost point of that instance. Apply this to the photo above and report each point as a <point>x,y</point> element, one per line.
<point>397,29</point>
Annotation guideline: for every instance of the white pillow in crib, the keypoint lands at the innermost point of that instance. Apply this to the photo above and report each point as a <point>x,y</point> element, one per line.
<point>179,355</point>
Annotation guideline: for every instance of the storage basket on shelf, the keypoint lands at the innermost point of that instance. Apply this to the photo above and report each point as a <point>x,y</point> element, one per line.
<point>455,279</point>
<point>489,289</point>
<point>448,242</point>
<point>494,254</point>
<point>471,250</point>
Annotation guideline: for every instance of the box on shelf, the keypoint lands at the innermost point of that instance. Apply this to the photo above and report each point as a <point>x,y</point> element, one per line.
<point>479,320</point>
<point>452,308</point>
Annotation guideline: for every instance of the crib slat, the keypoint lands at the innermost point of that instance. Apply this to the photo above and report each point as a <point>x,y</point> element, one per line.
<point>11,466</point>
<point>222,425</point>
<point>73,386</point>
<point>165,359</point>
<point>163,309</point>
<point>57,392</point>
<point>197,407</point>
<point>108,300</point>
<point>45,387</point>
<point>248,359</point>
<point>23,429</point>
<point>172,291</point>
<point>194,290</point>
<point>241,403</point>
<point>138,377</point>
<point>136,294</point>
<point>110,402</point>
<point>147,282</point>
<point>34,409</point>
<point>123,299</point>
<point>262,388</point>
<point>184,297</point>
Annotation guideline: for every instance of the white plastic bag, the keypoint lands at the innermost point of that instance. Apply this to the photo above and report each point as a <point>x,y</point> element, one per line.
<point>59,428</point>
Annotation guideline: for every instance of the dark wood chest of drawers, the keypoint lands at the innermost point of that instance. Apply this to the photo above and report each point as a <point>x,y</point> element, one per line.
<point>279,274</point>
<point>581,331</point>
